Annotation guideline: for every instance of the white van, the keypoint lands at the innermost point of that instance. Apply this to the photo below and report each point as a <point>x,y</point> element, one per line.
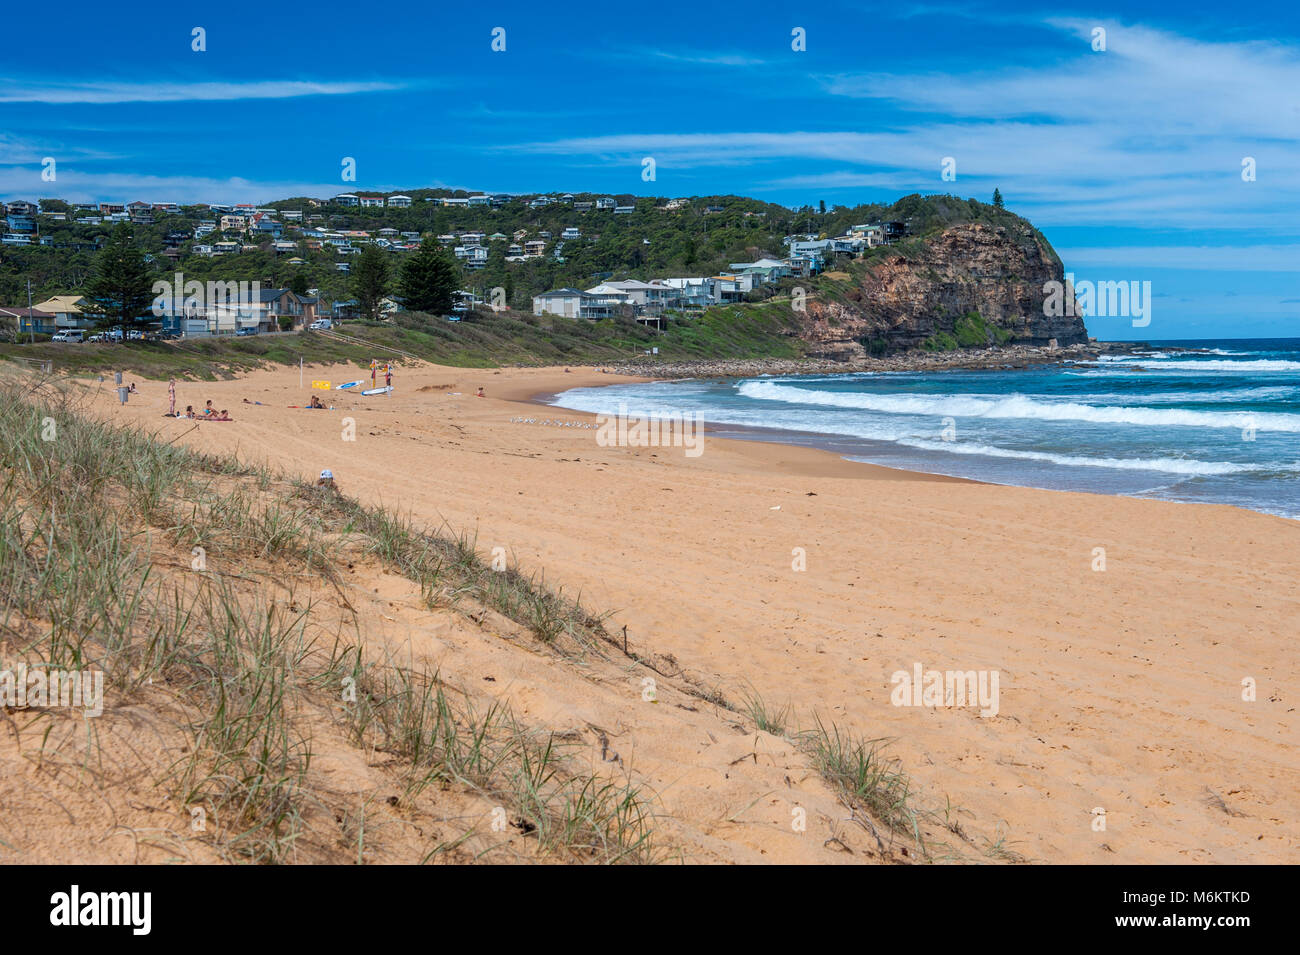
<point>322,324</point>
<point>69,335</point>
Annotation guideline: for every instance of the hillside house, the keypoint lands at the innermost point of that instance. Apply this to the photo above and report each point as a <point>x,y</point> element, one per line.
<point>571,303</point>
<point>18,318</point>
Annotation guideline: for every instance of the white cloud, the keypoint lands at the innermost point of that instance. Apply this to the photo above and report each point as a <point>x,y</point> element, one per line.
<point>1150,133</point>
<point>14,91</point>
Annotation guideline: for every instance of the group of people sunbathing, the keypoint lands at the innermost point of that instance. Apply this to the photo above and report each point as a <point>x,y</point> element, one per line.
<point>208,413</point>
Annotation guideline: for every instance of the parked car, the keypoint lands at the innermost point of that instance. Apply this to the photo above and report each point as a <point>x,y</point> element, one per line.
<point>97,337</point>
<point>135,335</point>
<point>322,324</point>
<point>246,330</point>
<point>167,335</point>
<point>115,334</point>
<point>69,335</point>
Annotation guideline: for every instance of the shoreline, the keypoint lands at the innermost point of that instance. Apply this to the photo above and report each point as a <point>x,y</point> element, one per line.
<point>823,460</point>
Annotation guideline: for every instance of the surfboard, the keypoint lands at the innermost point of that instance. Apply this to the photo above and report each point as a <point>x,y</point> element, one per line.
<point>379,391</point>
<point>347,384</point>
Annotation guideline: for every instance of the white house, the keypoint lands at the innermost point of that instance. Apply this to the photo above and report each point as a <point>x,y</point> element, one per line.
<point>605,202</point>
<point>372,202</point>
<point>569,303</point>
<point>571,233</point>
<point>347,199</point>
<point>652,296</point>
<point>399,202</point>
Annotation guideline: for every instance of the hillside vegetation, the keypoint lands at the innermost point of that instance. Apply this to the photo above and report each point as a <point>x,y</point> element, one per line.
<point>650,242</point>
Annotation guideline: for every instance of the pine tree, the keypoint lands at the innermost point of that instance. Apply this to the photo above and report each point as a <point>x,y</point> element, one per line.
<point>298,284</point>
<point>429,280</point>
<point>120,290</point>
<point>997,199</point>
<point>370,281</point>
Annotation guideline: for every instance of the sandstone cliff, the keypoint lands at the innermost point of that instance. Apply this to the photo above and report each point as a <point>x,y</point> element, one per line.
<point>927,292</point>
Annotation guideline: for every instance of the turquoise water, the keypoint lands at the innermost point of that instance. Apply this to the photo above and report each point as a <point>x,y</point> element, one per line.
<point>1215,421</point>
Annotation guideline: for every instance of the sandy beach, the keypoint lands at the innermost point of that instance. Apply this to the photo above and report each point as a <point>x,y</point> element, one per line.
<point>1121,689</point>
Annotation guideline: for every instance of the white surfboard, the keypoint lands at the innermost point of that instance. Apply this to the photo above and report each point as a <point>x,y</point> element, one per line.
<point>348,384</point>
<point>379,391</point>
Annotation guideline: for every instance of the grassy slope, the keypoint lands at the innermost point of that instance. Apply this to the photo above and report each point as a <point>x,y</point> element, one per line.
<point>749,331</point>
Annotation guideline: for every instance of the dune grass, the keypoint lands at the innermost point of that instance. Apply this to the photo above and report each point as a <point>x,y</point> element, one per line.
<point>92,519</point>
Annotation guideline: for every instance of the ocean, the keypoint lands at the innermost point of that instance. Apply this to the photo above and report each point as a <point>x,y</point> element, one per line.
<point>1215,421</point>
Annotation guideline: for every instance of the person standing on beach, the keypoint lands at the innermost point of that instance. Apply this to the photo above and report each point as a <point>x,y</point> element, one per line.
<point>388,376</point>
<point>171,397</point>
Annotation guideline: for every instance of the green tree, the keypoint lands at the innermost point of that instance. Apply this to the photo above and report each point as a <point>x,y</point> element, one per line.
<point>298,284</point>
<point>120,289</point>
<point>370,280</point>
<point>429,280</point>
<point>997,199</point>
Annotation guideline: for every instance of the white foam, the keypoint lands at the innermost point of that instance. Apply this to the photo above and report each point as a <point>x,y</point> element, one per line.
<point>1019,406</point>
<point>1169,465</point>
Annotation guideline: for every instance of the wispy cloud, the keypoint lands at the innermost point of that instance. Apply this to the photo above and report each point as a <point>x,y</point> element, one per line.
<point>16,91</point>
<point>1151,132</point>
<point>697,58</point>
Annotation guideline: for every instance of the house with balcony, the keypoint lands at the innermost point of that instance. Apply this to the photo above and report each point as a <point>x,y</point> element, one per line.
<point>371,202</point>
<point>571,303</point>
<point>535,248</point>
<point>473,256</point>
<point>651,297</point>
<point>479,200</point>
<point>399,202</point>
<point>691,292</point>
<point>27,321</point>
<point>605,202</point>
<point>572,232</point>
<point>347,199</point>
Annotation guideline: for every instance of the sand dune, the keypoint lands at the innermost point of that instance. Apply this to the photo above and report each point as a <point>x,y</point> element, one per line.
<point>1120,690</point>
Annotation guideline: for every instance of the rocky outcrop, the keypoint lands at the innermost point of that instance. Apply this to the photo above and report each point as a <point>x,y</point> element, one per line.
<point>917,296</point>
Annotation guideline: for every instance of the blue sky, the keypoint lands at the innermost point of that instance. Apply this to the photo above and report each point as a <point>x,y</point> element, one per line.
<point>1129,159</point>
